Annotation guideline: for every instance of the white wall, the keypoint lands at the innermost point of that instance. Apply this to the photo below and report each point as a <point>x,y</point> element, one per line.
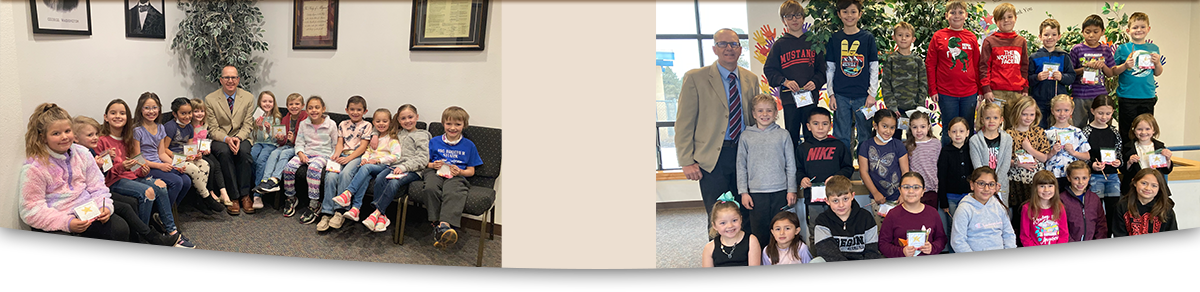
<point>82,73</point>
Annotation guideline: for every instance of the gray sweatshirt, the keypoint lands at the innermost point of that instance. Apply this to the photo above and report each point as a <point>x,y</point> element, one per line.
<point>766,161</point>
<point>414,150</point>
<point>980,227</point>
<point>980,156</point>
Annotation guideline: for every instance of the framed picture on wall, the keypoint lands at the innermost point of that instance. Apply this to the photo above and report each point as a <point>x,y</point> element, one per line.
<point>315,24</point>
<point>448,24</point>
<point>144,19</point>
<point>61,16</point>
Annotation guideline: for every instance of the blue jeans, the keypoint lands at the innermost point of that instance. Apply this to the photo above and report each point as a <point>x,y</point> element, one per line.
<point>1106,185</point>
<point>385,188</point>
<point>847,108</point>
<point>357,188</point>
<point>260,152</point>
<point>952,107</point>
<point>953,200</point>
<point>277,160</point>
<point>178,184</point>
<point>136,189</point>
<point>336,182</point>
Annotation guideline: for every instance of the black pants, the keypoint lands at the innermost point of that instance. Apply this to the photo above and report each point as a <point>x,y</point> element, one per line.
<point>216,177</point>
<point>795,120</point>
<point>722,179</point>
<point>1129,109</point>
<point>237,168</point>
<point>123,206</point>
<point>766,205</point>
<point>114,229</point>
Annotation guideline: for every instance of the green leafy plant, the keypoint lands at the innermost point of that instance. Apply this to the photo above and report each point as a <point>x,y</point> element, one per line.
<point>214,34</point>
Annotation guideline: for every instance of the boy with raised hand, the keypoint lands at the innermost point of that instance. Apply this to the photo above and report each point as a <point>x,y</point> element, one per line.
<point>1050,69</point>
<point>1004,58</point>
<point>793,66</point>
<point>1138,59</point>
<point>852,72</point>
<point>846,231</point>
<point>819,159</point>
<point>1093,61</point>
<point>904,83</point>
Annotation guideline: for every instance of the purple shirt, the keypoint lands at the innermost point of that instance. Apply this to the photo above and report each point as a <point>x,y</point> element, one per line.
<point>884,163</point>
<point>1082,53</point>
<point>149,143</point>
<point>899,221</point>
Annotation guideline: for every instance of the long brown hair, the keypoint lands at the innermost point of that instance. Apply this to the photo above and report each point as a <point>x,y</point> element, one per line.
<point>1162,201</point>
<point>910,141</point>
<point>126,133</point>
<point>1044,177</point>
<point>793,247</point>
<point>35,133</point>
<point>392,124</point>
<point>146,96</point>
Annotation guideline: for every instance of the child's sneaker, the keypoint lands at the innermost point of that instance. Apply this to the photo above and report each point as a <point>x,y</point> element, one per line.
<point>324,225</point>
<point>336,221</point>
<point>370,221</point>
<point>382,223</point>
<point>446,236</point>
<point>289,208</point>
<point>258,202</point>
<point>309,216</point>
<point>267,186</point>
<point>184,242</point>
<point>352,214</point>
<point>343,199</point>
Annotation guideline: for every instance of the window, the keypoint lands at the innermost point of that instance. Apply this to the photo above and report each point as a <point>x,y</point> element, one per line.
<point>683,41</point>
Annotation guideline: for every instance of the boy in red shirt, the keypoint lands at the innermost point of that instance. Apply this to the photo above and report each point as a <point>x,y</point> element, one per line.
<point>953,67</point>
<point>1004,59</point>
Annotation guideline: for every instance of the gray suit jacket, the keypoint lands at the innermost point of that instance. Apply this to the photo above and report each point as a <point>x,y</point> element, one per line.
<point>222,122</point>
<point>704,114</point>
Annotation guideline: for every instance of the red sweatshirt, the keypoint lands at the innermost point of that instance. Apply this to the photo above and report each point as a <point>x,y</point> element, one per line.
<point>953,63</point>
<point>1005,63</point>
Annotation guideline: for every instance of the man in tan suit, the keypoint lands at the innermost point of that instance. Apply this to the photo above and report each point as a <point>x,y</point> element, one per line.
<point>230,120</point>
<point>714,108</point>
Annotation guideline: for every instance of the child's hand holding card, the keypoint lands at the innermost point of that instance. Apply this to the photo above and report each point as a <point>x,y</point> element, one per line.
<point>87,211</point>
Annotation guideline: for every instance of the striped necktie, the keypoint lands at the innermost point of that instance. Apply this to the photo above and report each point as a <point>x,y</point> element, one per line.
<point>735,109</point>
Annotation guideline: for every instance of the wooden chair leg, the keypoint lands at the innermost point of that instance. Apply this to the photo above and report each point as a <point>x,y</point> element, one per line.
<point>483,225</point>
<point>403,214</point>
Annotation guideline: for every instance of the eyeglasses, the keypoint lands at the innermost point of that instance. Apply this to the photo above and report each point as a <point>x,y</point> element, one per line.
<point>793,16</point>
<point>229,77</point>
<point>987,184</point>
<point>728,44</point>
<point>912,187</point>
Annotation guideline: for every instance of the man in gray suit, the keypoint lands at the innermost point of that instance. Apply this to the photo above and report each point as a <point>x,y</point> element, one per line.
<point>714,109</point>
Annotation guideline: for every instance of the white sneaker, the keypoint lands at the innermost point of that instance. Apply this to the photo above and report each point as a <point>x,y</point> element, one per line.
<point>258,203</point>
<point>370,222</point>
<point>381,225</point>
<point>352,214</point>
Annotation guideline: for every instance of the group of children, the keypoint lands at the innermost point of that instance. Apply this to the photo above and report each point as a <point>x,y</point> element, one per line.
<point>73,165</point>
<point>1004,178</point>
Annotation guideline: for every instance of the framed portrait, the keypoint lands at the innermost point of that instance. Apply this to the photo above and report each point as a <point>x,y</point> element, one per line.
<point>448,24</point>
<point>315,24</point>
<point>144,19</point>
<point>61,16</point>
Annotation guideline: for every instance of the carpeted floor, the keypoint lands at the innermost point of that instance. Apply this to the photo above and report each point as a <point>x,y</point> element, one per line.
<point>267,232</point>
<point>682,237</point>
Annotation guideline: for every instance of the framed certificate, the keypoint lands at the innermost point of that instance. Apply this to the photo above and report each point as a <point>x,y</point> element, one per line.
<point>314,25</point>
<point>448,25</point>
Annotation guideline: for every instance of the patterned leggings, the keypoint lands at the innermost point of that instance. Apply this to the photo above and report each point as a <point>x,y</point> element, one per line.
<point>198,170</point>
<point>316,164</point>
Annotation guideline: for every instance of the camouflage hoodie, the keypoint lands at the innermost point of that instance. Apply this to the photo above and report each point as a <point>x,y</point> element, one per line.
<point>904,81</point>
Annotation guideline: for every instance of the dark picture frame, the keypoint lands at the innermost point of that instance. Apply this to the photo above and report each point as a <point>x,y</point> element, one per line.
<point>449,34</point>
<point>330,15</point>
<point>61,17</point>
<point>155,24</point>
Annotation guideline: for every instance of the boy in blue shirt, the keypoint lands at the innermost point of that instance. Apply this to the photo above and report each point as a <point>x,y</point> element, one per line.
<point>1137,59</point>
<point>445,192</point>
<point>852,73</point>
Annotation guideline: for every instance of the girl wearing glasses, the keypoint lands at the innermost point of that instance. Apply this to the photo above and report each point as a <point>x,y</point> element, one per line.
<point>981,221</point>
<point>912,216</point>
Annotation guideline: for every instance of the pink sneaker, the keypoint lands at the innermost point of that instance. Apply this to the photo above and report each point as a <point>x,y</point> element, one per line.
<point>343,199</point>
<point>352,214</point>
<point>382,223</point>
<point>370,222</point>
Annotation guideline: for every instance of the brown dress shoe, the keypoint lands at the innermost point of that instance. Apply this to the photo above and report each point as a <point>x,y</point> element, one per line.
<point>248,204</point>
<point>233,209</point>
